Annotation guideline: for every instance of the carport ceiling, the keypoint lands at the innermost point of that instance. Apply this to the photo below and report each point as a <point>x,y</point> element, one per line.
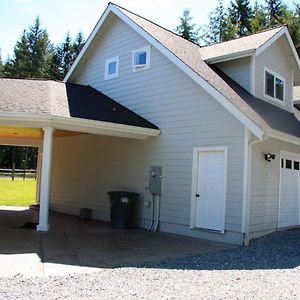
<point>31,133</point>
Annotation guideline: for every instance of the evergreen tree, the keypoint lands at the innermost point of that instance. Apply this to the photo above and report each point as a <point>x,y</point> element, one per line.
<point>65,54</point>
<point>240,13</point>
<point>1,65</point>
<point>77,44</point>
<point>216,24</point>
<point>186,29</point>
<point>274,9</point>
<point>259,21</point>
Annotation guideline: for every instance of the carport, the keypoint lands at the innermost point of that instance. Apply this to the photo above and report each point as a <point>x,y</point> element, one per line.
<point>35,112</point>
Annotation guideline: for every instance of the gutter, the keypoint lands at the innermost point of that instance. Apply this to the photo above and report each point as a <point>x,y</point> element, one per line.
<point>76,124</point>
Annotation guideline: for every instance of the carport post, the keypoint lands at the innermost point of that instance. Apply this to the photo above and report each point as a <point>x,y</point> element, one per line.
<point>46,179</point>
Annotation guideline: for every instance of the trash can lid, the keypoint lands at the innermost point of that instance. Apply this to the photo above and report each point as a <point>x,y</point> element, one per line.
<point>122,193</point>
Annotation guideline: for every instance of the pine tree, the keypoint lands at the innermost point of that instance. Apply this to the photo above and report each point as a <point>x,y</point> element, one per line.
<point>186,29</point>
<point>240,13</point>
<point>259,21</point>
<point>274,9</point>
<point>1,65</point>
<point>216,24</point>
<point>77,44</point>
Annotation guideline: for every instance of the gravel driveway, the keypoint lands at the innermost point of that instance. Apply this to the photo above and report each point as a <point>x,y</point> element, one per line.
<point>268,269</point>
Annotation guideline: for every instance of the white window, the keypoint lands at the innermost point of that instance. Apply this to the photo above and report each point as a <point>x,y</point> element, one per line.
<point>111,68</point>
<point>274,85</point>
<point>141,59</point>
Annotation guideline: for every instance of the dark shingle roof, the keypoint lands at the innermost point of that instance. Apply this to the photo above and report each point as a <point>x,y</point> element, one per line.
<point>275,117</point>
<point>66,100</point>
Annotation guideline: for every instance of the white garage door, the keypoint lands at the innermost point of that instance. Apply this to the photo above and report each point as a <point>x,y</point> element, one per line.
<point>289,204</point>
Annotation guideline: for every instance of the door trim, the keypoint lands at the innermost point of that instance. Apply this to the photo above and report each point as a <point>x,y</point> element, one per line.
<point>295,156</point>
<point>196,151</point>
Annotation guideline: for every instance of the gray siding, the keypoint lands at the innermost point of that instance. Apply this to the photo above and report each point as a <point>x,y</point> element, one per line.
<point>275,59</point>
<point>188,118</point>
<point>238,70</point>
<point>265,186</point>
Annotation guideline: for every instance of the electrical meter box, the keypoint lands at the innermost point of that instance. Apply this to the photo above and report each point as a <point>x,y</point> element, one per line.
<point>155,180</point>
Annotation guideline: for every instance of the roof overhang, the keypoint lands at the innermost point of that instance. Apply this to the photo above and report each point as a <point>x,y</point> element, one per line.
<point>76,124</point>
<point>231,56</point>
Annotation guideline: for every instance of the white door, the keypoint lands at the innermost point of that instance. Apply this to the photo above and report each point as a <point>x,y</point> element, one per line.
<point>289,204</point>
<point>210,190</point>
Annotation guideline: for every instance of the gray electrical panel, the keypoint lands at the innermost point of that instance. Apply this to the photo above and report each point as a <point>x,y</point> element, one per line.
<point>155,180</point>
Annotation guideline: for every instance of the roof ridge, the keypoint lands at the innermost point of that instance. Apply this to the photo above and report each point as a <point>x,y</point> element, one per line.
<point>33,79</point>
<point>245,36</point>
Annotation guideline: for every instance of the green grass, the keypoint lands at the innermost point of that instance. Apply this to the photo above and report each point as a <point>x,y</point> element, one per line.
<point>17,192</point>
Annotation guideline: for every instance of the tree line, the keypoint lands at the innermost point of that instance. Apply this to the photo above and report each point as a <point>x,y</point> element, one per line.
<point>240,18</point>
<point>35,56</point>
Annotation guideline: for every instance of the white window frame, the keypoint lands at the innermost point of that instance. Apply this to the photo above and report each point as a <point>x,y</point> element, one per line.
<point>277,100</point>
<point>137,68</point>
<point>109,61</point>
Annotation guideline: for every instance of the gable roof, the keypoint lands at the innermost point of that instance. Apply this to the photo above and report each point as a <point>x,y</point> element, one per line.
<point>64,100</point>
<point>187,56</point>
<point>245,45</point>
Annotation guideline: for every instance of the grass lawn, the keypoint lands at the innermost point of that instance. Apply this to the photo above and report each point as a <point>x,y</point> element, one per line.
<point>17,192</point>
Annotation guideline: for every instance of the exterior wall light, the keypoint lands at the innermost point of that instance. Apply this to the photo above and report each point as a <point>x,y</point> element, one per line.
<point>269,156</point>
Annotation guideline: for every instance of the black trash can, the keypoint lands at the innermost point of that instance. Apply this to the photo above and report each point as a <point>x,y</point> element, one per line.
<point>122,208</point>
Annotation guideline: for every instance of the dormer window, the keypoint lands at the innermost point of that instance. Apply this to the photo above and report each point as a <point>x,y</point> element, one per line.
<point>141,59</point>
<point>111,68</point>
<point>274,85</point>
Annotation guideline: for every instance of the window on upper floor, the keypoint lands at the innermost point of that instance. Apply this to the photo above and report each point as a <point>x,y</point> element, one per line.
<point>111,68</point>
<point>274,85</point>
<point>141,59</point>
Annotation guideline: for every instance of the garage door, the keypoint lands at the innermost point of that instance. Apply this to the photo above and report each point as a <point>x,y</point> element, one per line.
<point>289,203</point>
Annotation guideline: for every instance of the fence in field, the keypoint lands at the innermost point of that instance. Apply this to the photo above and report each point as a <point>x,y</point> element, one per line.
<point>18,173</point>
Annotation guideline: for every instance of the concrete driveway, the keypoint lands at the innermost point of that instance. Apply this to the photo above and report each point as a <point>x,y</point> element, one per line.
<point>76,246</point>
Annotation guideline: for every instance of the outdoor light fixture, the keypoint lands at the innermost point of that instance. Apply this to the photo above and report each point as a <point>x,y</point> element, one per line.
<point>269,156</point>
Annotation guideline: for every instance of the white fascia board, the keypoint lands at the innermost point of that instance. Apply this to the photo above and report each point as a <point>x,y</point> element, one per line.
<point>230,56</point>
<point>88,42</point>
<point>76,124</point>
<point>283,137</point>
<point>274,38</point>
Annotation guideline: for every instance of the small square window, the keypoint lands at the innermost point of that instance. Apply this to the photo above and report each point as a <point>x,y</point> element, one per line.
<point>296,165</point>
<point>141,59</point>
<point>288,164</point>
<point>111,68</point>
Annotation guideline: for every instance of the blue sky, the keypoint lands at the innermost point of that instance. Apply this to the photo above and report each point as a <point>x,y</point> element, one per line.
<point>60,16</point>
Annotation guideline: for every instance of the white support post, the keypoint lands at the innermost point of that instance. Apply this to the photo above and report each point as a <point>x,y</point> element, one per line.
<point>46,179</point>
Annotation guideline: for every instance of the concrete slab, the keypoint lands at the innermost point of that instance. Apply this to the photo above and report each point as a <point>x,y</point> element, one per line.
<point>76,246</point>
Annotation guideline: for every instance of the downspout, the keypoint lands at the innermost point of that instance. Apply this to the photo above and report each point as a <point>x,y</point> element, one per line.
<point>248,173</point>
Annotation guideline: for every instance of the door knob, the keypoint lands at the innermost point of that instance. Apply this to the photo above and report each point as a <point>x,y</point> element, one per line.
<point>197,195</point>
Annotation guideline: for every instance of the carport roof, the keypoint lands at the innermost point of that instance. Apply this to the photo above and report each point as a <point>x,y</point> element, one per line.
<point>64,100</point>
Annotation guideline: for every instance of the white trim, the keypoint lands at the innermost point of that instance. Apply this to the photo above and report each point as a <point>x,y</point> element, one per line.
<point>108,61</point>
<point>283,137</point>
<point>146,66</point>
<point>252,75</point>
<point>255,129</point>
<point>230,56</point>
<point>88,42</point>
<point>274,38</point>
<point>245,178</point>
<point>77,124</point>
<point>275,75</point>
<point>195,173</point>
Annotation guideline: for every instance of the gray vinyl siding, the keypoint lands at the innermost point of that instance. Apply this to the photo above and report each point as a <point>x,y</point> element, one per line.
<point>275,59</point>
<point>238,70</point>
<point>264,198</point>
<point>187,116</point>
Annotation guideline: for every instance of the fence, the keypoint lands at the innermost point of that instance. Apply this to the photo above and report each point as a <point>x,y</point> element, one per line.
<point>21,173</point>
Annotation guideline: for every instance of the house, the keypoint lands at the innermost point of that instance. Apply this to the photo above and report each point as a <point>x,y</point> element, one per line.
<point>219,123</point>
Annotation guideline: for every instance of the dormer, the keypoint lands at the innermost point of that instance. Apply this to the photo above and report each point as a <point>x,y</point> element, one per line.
<point>266,64</point>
